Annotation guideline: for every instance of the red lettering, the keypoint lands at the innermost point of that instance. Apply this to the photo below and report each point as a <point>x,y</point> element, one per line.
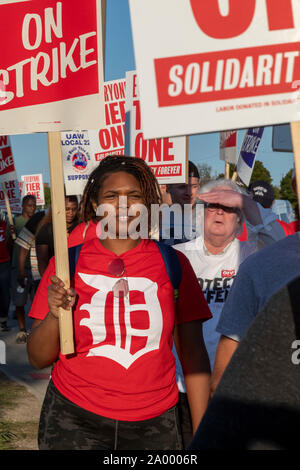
<point>136,103</point>
<point>3,140</point>
<point>219,26</point>
<point>215,25</point>
<point>280,14</point>
<point>104,139</point>
<point>107,116</point>
<point>167,146</point>
<point>114,113</point>
<point>140,147</point>
<point>155,148</point>
<point>117,136</point>
<point>11,194</point>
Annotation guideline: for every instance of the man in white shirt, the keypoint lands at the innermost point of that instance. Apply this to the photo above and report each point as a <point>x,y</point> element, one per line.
<point>216,254</point>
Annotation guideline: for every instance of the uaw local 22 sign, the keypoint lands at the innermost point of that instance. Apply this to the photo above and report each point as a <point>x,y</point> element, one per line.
<point>8,177</point>
<point>217,64</point>
<point>78,161</point>
<point>51,68</point>
<point>166,157</point>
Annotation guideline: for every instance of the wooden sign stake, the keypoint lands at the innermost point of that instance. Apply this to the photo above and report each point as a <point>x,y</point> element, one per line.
<point>227,170</point>
<point>60,236</point>
<point>9,214</point>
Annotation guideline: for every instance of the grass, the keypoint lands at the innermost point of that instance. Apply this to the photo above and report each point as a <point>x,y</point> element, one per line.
<point>17,431</point>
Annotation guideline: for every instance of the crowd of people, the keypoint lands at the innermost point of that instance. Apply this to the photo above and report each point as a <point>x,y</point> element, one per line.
<point>160,323</point>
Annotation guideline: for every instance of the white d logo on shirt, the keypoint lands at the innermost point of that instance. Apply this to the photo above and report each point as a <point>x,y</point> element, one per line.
<point>120,351</point>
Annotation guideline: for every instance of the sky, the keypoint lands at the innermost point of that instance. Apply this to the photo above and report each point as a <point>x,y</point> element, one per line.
<point>31,151</point>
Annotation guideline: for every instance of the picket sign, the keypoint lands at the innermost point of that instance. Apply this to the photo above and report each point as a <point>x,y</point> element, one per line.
<point>76,103</point>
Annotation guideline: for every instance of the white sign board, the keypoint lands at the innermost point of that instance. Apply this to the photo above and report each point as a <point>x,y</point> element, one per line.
<point>246,160</point>
<point>78,161</point>
<point>8,177</point>
<point>215,65</point>
<point>166,157</point>
<point>51,66</point>
<point>33,184</point>
<point>110,139</point>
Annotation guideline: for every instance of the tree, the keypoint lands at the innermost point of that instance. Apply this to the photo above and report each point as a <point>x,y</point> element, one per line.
<point>204,173</point>
<point>47,194</point>
<point>286,189</point>
<point>260,172</point>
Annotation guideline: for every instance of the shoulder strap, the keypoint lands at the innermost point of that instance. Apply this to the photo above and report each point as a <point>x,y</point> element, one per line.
<point>74,252</point>
<point>172,263</point>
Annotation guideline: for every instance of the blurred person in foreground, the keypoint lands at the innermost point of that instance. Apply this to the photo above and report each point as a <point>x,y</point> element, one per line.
<point>256,405</point>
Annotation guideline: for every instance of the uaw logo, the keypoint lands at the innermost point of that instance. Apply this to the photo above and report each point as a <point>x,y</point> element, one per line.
<point>124,333</point>
<point>79,158</point>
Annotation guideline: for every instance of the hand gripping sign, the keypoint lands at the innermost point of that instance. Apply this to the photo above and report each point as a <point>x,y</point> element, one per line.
<point>216,65</point>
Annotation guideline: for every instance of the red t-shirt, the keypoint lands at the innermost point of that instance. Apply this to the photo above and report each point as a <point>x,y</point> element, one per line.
<point>123,367</point>
<point>289,229</point>
<point>82,233</point>
<point>4,254</point>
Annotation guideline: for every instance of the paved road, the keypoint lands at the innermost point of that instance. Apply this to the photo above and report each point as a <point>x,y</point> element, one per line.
<point>17,366</point>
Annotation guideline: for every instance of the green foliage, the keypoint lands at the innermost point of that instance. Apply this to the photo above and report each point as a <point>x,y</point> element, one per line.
<point>47,193</point>
<point>260,172</point>
<point>286,189</point>
<point>204,173</point>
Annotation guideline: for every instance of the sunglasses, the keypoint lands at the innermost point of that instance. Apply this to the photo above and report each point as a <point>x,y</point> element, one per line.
<point>214,207</point>
<point>117,269</point>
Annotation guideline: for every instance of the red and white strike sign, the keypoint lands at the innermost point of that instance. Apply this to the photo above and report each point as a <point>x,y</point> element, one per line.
<point>215,65</point>
<point>8,177</point>
<point>166,157</point>
<point>51,66</point>
<point>33,184</point>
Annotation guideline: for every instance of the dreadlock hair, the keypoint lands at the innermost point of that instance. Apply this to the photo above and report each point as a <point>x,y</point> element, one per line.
<point>114,164</point>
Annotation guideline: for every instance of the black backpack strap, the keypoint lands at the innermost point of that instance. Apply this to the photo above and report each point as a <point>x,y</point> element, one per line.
<point>172,263</point>
<point>74,252</point>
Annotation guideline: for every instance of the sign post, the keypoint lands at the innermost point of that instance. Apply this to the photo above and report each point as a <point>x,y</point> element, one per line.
<point>60,241</point>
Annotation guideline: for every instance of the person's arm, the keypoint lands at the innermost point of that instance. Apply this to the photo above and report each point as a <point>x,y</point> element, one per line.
<point>225,350</point>
<point>10,233</point>
<point>262,225</point>
<point>195,365</point>
<point>23,252</point>
<point>231,198</point>
<point>42,254</point>
<point>43,341</point>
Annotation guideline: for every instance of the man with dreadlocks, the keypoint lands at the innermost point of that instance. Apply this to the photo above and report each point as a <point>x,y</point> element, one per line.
<point>118,391</point>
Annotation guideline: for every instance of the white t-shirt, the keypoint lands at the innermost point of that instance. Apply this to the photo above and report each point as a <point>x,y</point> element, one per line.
<point>216,273</point>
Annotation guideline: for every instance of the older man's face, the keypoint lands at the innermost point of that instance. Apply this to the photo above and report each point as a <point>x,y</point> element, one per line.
<point>220,225</point>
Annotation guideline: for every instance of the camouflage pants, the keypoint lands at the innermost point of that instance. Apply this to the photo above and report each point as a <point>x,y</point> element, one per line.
<point>66,426</point>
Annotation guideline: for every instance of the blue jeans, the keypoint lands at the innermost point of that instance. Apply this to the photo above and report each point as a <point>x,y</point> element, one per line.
<point>4,290</point>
